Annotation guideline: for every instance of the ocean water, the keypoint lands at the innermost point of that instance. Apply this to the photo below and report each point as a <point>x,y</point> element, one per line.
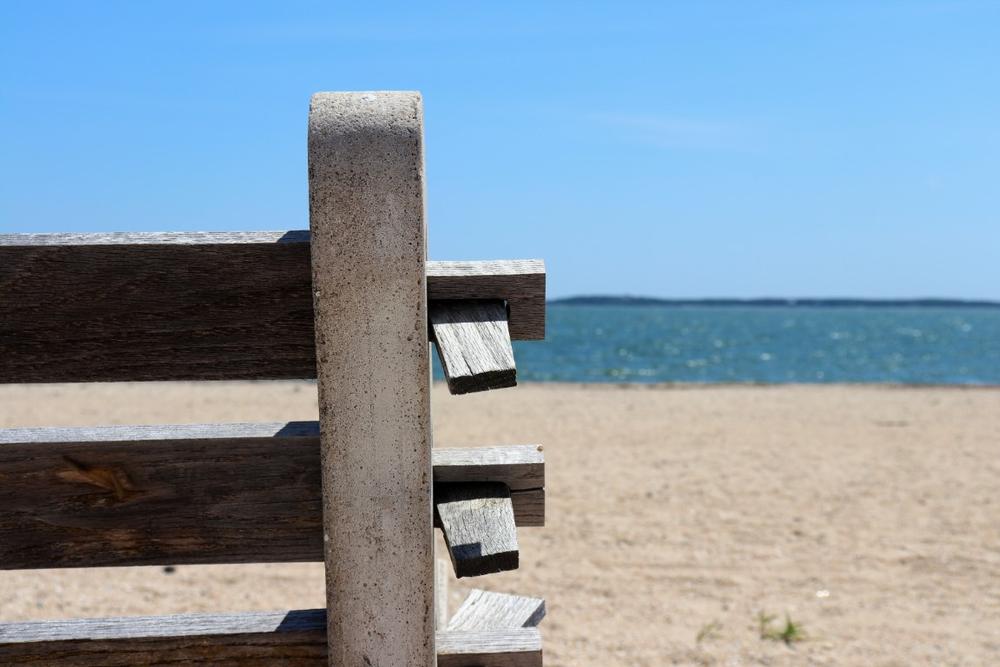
<point>872,344</point>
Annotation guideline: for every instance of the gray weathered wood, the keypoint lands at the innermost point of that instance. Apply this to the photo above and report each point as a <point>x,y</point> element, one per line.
<point>477,520</point>
<point>520,467</point>
<point>521,283</point>
<point>366,214</point>
<point>215,493</point>
<point>440,593</point>
<point>473,344</point>
<point>486,610</point>
<point>494,648</point>
<point>194,306</point>
<point>292,638</point>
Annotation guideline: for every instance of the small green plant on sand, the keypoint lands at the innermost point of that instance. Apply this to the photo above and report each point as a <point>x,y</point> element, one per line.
<point>790,633</point>
<point>709,631</point>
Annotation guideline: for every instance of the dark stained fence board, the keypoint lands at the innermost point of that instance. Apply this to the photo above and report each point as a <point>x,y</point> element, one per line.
<point>294,638</point>
<point>155,311</point>
<point>194,306</point>
<point>228,493</point>
<point>529,507</point>
<point>520,467</point>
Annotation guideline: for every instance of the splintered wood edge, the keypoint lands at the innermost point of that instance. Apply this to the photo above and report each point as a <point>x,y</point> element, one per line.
<point>473,344</point>
<point>479,528</point>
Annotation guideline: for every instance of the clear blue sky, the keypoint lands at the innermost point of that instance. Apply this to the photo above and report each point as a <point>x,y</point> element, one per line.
<point>670,149</point>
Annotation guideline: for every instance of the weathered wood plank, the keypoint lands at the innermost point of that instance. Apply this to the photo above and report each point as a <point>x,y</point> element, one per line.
<point>366,214</point>
<point>495,648</point>
<point>521,283</point>
<point>219,493</point>
<point>473,344</point>
<point>293,638</point>
<point>477,520</point>
<point>193,306</point>
<point>520,467</point>
<point>441,614</point>
<point>487,610</point>
<point>153,238</point>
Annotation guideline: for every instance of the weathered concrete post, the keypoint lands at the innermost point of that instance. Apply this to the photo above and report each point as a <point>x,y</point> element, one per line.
<point>366,211</point>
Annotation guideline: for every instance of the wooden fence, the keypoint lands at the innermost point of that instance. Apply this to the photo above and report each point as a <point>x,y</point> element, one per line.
<point>352,303</point>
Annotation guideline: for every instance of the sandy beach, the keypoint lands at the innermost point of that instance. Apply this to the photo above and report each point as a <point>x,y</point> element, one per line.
<point>676,516</point>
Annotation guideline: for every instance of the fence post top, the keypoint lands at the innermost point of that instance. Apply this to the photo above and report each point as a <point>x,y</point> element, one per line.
<point>365,112</point>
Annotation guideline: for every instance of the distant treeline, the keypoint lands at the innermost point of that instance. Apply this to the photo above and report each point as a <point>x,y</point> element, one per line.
<point>805,303</point>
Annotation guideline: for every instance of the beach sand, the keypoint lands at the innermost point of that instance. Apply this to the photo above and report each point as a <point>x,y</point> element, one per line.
<point>870,515</point>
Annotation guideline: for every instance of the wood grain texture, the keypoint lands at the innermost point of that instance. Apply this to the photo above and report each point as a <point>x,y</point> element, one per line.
<point>473,344</point>
<point>477,520</point>
<point>441,614</point>
<point>493,648</point>
<point>292,638</point>
<point>520,467</point>
<point>194,306</point>
<point>521,283</point>
<point>487,610</point>
<point>215,493</point>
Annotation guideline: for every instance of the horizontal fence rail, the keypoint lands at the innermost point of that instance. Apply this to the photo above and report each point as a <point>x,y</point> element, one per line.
<point>293,638</point>
<point>219,493</point>
<point>195,306</point>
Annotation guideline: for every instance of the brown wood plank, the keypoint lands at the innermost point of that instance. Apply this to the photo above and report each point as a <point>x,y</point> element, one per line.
<point>473,344</point>
<point>194,306</point>
<point>221,493</point>
<point>293,638</point>
<point>477,520</point>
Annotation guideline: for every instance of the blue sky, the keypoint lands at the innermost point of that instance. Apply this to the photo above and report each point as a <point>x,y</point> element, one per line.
<point>671,149</point>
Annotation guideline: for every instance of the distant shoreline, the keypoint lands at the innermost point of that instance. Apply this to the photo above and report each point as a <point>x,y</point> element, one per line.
<point>772,302</point>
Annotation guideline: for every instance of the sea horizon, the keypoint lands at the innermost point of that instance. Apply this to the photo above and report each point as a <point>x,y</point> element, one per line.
<point>889,342</point>
<point>805,302</point>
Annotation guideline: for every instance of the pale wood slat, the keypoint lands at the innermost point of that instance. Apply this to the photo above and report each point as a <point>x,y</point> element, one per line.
<point>441,614</point>
<point>487,610</point>
<point>473,344</point>
<point>477,520</point>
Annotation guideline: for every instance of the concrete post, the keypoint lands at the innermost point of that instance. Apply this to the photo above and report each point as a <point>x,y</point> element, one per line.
<point>366,213</point>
